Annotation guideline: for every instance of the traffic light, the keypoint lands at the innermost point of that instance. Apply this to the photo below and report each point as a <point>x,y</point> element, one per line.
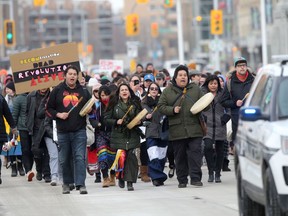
<point>142,1</point>
<point>9,33</point>
<point>132,25</point>
<point>154,29</point>
<point>216,22</point>
<point>168,3</point>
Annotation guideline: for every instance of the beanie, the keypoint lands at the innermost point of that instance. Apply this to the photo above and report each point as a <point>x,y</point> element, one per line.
<point>11,86</point>
<point>178,68</point>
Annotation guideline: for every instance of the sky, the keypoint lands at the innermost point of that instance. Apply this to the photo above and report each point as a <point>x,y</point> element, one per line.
<point>117,4</point>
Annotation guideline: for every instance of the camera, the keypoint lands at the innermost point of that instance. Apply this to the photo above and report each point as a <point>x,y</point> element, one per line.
<point>136,82</point>
<point>8,145</point>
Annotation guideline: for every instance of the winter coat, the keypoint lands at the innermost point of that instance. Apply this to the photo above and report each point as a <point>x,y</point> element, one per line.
<point>153,127</point>
<point>182,125</point>
<point>5,112</point>
<point>19,111</point>
<point>238,90</point>
<point>216,124</point>
<point>121,136</point>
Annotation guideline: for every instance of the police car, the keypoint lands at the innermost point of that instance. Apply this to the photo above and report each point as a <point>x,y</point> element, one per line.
<point>261,154</point>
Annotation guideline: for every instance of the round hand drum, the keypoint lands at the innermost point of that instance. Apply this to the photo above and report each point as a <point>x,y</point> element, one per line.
<point>137,118</point>
<point>202,103</point>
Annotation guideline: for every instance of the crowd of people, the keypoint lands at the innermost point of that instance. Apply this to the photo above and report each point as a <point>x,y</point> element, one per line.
<point>140,122</point>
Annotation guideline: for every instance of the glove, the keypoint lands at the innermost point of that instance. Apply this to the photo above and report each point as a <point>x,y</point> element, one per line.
<point>15,132</point>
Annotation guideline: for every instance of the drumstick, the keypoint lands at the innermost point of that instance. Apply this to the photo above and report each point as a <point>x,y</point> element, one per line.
<point>129,109</point>
<point>75,105</point>
<point>245,96</point>
<point>182,97</point>
<point>154,110</point>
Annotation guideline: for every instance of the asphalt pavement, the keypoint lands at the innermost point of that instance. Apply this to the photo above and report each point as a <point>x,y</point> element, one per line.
<point>18,197</point>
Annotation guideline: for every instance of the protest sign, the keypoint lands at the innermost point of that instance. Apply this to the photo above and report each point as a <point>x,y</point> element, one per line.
<point>42,68</point>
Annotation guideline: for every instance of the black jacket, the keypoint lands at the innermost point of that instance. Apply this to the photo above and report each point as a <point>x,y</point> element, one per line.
<point>19,111</point>
<point>238,91</point>
<point>62,99</point>
<point>5,112</point>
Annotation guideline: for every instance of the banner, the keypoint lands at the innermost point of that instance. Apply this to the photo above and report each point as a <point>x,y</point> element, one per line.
<point>109,65</point>
<point>42,68</point>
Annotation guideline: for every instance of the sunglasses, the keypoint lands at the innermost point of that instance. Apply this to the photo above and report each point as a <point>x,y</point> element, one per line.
<point>154,89</point>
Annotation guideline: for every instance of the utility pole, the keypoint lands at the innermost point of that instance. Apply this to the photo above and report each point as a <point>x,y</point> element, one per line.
<point>216,39</point>
<point>263,33</point>
<point>180,32</point>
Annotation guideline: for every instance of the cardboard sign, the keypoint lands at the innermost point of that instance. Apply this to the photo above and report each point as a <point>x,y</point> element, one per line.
<point>109,65</point>
<point>42,68</point>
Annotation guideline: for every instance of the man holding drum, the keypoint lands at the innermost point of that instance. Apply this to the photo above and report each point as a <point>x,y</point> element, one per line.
<point>185,131</point>
<point>64,105</point>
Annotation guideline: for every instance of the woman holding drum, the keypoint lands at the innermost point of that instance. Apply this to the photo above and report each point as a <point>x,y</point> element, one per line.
<point>216,129</point>
<point>122,109</point>
<point>185,131</point>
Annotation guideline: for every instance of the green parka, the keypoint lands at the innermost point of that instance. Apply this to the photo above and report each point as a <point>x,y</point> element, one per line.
<point>121,136</point>
<point>182,125</point>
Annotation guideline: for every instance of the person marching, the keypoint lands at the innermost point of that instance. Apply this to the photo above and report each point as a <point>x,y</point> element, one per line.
<point>216,119</point>
<point>122,108</point>
<point>237,86</point>
<point>105,153</point>
<point>185,130</point>
<point>14,154</point>
<point>64,104</point>
<point>5,112</point>
<point>156,147</point>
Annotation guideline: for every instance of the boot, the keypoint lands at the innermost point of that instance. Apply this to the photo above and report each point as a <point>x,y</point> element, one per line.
<point>211,178</point>
<point>14,169</point>
<point>98,177</point>
<point>20,168</point>
<point>217,178</point>
<point>144,174</point>
<point>130,186</point>
<point>121,183</point>
<point>112,180</point>
<point>225,164</point>
<point>106,182</point>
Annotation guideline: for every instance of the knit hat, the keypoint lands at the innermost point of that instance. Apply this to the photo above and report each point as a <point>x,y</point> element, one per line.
<point>178,68</point>
<point>92,82</point>
<point>194,72</point>
<point>11,86</point>
<point>160,75</point>
<point>239,60</point>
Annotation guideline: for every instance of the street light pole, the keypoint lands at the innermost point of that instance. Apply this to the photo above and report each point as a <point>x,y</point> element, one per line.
<point>263,33</point>
<point>180,32</point>
<point>216,39</point>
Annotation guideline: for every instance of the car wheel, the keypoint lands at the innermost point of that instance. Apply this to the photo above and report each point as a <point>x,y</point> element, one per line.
<point>247,207</point>
<point>272,206</point>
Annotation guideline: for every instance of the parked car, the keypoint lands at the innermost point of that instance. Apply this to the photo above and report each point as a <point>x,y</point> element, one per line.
<point>261,155</point>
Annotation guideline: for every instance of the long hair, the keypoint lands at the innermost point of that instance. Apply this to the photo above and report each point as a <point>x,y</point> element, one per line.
<point>114,99</point>
<point>148,99</point>
<point>209,79</point>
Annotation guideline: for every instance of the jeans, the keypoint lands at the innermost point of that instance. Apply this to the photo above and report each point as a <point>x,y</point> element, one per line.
<point>53,161</point>
<point>72,147</point>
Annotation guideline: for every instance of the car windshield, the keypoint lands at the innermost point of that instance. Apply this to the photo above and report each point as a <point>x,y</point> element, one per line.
<point>282,99</point>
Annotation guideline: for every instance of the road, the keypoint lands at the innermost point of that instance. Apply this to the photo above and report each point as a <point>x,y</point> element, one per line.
<point>20,198</point>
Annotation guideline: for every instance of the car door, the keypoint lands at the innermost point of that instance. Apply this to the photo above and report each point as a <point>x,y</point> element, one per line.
<point>255,131</point>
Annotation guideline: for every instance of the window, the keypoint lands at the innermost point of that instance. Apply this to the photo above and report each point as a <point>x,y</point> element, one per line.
<point>282,103</point>
<point>263,94</point>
